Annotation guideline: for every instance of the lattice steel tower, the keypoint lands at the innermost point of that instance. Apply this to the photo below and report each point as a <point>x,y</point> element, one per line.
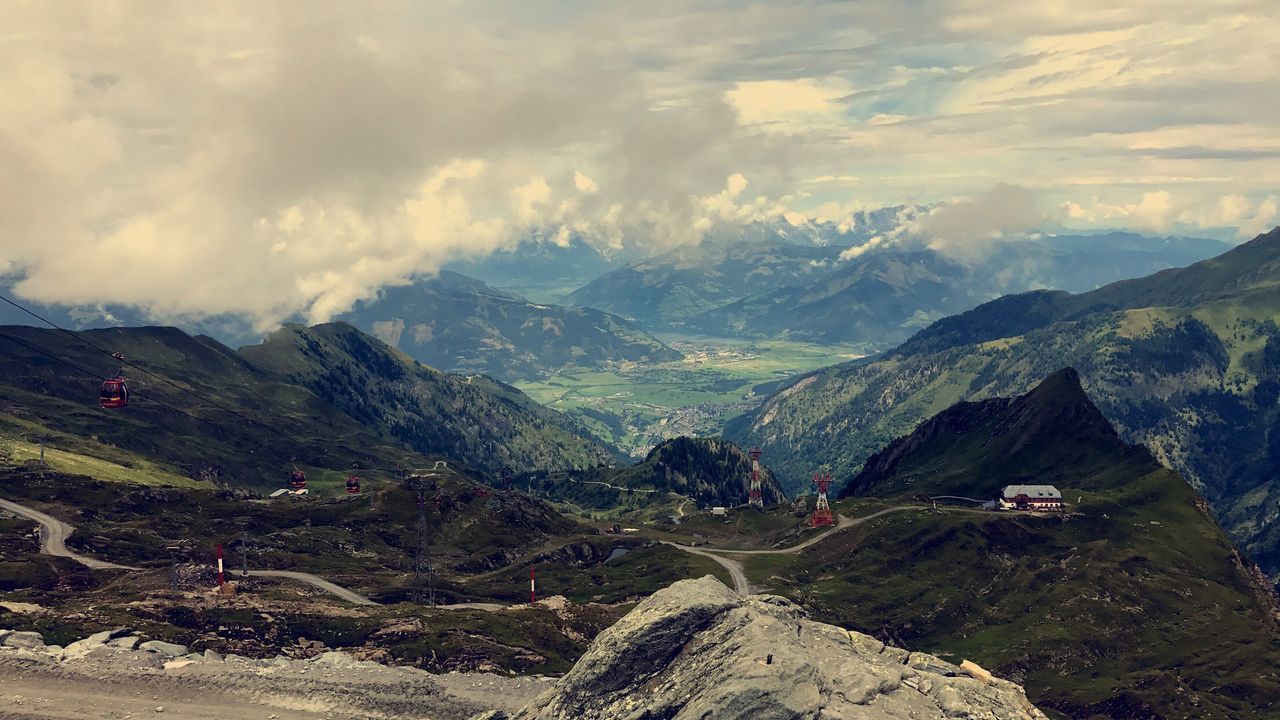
<point>755,497</point>
<point>822,511</point>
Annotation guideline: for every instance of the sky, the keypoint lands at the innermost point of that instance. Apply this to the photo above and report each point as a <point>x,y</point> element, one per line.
<point>289,158</point>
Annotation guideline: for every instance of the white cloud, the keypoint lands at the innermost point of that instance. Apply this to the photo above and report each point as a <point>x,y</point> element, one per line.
<point>1165,211</point>
<point>241,159</point>
<point>268,161</point>
<point>531,198</point>
<point>1235,210</point>
<point>1153,211</point>
<point>585,184</point>
<point>833,180</point>
<point>968,227</point>
<point>790,102</point>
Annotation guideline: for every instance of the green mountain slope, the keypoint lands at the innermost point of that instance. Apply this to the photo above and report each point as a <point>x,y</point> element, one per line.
<point>368,405</point>
<point>482,422</point>
<point>458,324</point>
<point>1195,377</point>
<point>1132,604</point>
<point>1052,435</point>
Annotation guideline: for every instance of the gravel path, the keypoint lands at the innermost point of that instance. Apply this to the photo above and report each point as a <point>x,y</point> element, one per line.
<point>53,537</point>
<point>53,541</point>
<point>740,581</point>
<point>116,683</point>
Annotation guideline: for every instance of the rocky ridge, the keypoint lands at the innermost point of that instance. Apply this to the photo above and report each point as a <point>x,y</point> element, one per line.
<point>699,650</point>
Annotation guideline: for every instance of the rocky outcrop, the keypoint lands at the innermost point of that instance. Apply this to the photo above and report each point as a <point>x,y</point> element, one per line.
<point>164,648</point>
<point>24,640</point>
<point>699,650</point>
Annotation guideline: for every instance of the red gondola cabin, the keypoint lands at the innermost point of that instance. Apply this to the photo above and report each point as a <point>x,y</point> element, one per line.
<point>353,484</point>
<point>298,480</point>
<point>115,393</point>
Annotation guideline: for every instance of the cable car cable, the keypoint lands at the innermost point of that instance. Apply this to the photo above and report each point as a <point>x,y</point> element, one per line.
<point>151,398</point>
<point>95,375</point>
<point>163,379</point>
<point>78,337</point>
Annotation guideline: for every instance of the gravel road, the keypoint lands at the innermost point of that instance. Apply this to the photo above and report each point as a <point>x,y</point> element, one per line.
<point>740,581</point>
<point>53,541</point>
<point>53,537</point>
<point>115,683</point>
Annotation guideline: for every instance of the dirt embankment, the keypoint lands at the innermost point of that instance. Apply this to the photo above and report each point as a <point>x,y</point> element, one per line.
<point>115,682</point>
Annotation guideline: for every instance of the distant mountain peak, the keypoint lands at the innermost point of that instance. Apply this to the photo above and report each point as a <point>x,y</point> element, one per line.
<point>461,324</point>
<point>1053,434</point>
<point>712,471</point>
<point>1062,389</point>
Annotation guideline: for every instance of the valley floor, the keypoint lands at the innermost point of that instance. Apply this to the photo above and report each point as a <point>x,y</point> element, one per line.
<point>637,406</point>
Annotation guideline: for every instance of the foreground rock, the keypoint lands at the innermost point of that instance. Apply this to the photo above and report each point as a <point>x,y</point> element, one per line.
<point>699,650</point>
<point>113,677</point>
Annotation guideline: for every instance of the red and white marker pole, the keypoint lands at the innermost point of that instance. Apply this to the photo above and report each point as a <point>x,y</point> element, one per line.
<point>221,578</point>
<point>533,591</point>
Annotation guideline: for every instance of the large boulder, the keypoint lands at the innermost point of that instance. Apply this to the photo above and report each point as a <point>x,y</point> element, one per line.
<point>699,650</point>
<point>336,659</point>
<point>25,640</point>
<point>164,648</point>
<point>80,648</point>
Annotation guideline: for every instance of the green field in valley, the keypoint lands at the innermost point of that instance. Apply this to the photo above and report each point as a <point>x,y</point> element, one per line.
<point>637,406</point>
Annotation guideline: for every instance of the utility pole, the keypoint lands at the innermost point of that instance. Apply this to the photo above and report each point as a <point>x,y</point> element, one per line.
<point>217,553</point>
<point>244,544</point>
<point>173,558</point>
<point>755,496</point>
<point>417,547</point>
<point>431,576</point>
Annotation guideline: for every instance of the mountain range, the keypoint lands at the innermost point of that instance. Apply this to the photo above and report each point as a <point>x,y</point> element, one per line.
<point>460,324</point>
<point>543,265</point>
<point>878,297</point>
<point>675,286</point>
<point>1185,361</point>
<point>1132,604</point>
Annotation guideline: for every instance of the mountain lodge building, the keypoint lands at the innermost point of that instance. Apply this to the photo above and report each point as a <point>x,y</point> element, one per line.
<point>1031,497</point>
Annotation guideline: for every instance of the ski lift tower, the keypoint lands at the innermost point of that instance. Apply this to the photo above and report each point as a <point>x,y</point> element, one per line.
<point>822,514</point>
<point>755,496</point>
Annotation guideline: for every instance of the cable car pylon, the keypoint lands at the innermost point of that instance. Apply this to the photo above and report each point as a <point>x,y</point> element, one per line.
<point>822,515</point>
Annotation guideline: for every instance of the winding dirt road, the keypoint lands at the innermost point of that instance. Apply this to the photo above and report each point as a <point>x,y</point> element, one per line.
<point>53,537</point>
<point>740,581</point>
<point>350,596</point>
<point>53,541</point>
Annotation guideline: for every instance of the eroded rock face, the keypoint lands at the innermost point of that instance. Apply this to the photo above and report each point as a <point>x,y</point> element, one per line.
<point>698,650</point>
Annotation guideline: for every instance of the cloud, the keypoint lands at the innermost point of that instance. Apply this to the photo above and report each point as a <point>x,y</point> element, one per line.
<point>1164,211</point>
<point>789,102</point>
<point>246,159</point>
<point>270,161</point>
<point>585,184</point>
<point>1235,210</point>
<point>967,228</point>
